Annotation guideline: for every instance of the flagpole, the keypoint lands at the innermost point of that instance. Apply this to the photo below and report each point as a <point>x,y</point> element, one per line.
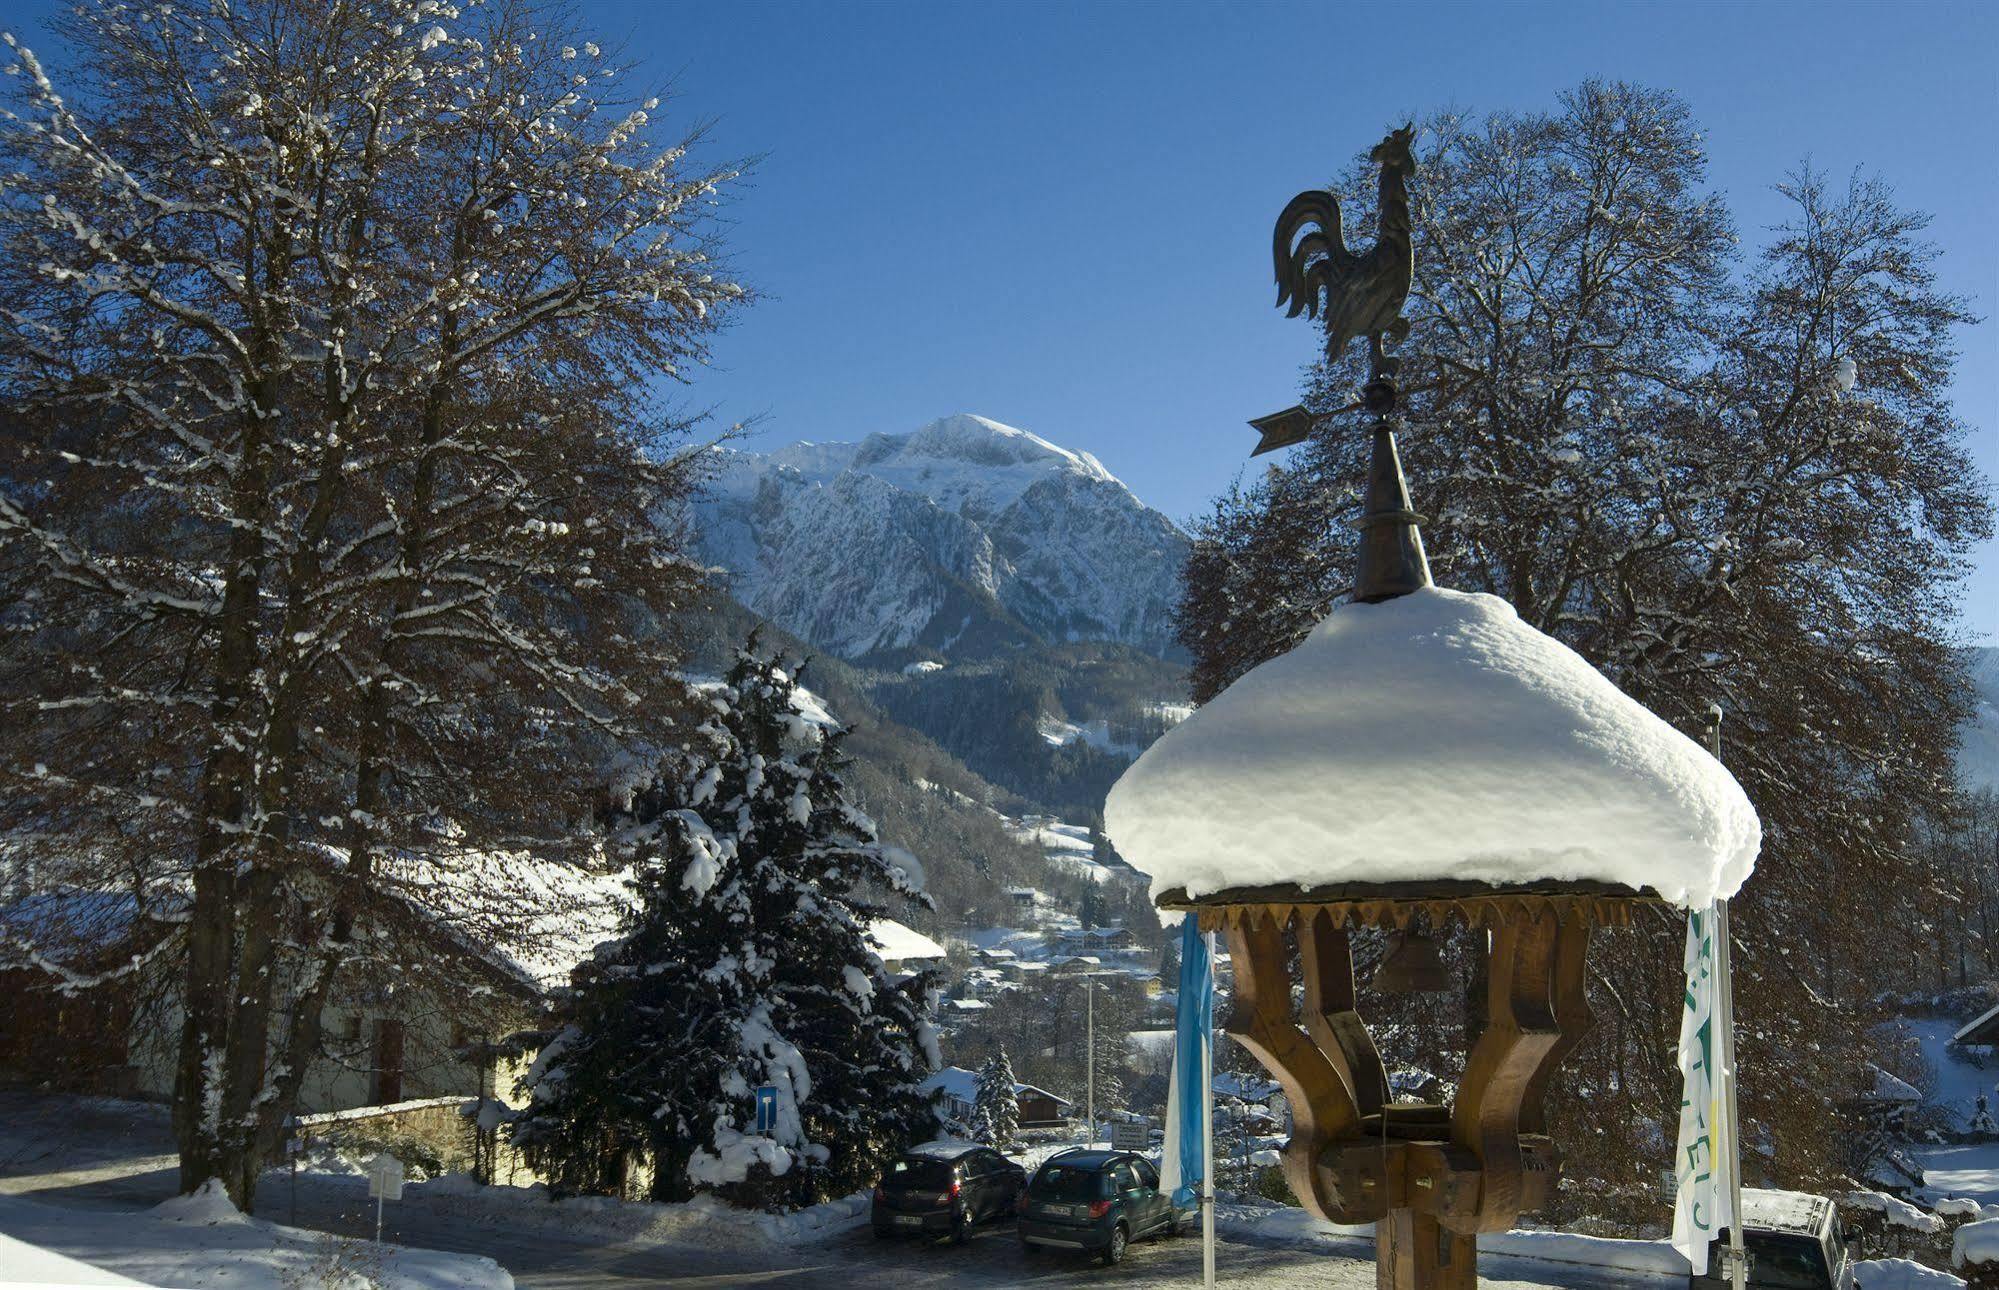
<point>1208,1139</point>
<point>1738,1260</point>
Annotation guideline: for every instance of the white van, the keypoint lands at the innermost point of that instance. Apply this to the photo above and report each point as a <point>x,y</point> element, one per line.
<point>1794,1241</point>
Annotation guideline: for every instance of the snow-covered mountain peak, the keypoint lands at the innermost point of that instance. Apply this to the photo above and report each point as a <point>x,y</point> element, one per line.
<point>913,539</point>
<point>966,439</point>
<point>961,461</point>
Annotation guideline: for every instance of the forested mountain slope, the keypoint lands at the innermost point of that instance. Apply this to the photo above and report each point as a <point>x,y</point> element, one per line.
<point>923,797</point>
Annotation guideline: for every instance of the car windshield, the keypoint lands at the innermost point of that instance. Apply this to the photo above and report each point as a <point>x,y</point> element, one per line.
<point>932,1174</point>
<point>1067,1182</point>
<point>1781,1261</point>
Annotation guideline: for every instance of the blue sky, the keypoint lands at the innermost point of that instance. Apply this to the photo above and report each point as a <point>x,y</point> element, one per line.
<point>1058,216</point>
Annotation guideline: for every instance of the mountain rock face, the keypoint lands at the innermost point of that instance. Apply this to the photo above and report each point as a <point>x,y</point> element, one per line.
<point>963,536</point>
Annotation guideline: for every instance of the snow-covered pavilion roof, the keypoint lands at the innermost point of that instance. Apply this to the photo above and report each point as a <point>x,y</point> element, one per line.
<point>1433,736</point>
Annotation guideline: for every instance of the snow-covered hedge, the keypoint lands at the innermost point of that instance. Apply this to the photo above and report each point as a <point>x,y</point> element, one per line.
<point>1902,1274</point>
<point>1975,1243</point>
<point>1899,1213</point>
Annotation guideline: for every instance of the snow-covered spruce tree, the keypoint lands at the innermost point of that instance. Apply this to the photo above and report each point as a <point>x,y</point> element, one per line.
<point>326,539</point>
<point>1723,482</point>
<point>746,964</point>
<point>996,1110</point>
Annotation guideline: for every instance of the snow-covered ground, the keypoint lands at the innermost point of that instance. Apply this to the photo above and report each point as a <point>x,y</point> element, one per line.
<point>78,1177</point>
<point>1295,1229</point>
<point>1958,1079</point>
<point>1970,1170</point>
<point>1068,847</point>
<point>201,1241</point>
<point>1058,733</point>
<point>1902,1274</point>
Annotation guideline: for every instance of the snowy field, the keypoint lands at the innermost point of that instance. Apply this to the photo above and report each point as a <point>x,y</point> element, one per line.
<point>1969,1170</point>
<point>201,1241</point>
<point>79,1179</point>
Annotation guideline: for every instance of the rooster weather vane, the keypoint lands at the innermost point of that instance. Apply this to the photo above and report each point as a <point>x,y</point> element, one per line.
<point>1358,293</point>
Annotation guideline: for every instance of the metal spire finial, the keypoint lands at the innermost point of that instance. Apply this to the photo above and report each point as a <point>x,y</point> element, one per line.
<point>1391,561</point>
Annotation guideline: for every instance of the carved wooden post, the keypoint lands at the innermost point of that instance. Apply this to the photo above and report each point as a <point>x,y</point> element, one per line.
<point>1430,1177</point>
<point>1413,1249</point>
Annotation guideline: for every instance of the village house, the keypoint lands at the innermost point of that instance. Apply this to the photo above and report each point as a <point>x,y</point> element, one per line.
<point>388,1041</point>
<point>956,1090</point>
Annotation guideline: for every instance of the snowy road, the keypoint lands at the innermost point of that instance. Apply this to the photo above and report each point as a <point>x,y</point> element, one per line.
<point>102,1155</point>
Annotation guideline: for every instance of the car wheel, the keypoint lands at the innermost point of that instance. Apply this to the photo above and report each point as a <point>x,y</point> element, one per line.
<point>1114,1252</point>
<point>1175,1225</point>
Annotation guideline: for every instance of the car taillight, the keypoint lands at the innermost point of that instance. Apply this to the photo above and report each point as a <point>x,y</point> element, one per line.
<point>1099,1208</point>
<point>1020,1203</point>
<point>953,1193</point>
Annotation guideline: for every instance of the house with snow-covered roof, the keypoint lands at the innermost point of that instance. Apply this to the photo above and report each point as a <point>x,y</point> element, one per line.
<point>903,950</point>
<point>387,1037</point>
<point>1094,940</point>
<point>955,1090</point>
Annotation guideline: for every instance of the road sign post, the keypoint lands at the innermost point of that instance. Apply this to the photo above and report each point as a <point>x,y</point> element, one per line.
<point>385,1182</point>
<point>766,1117</point>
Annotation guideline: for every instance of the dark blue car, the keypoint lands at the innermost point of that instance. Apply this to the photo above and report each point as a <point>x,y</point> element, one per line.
<point>1097,1201</point>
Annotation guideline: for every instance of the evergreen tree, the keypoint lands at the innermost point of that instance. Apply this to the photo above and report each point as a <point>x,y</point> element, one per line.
<point>744,965</point>
<point>996,1110</point>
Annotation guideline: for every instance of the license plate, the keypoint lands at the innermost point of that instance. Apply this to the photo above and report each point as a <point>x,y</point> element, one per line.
<point>1052,1211</point>
<point>909,1220</point>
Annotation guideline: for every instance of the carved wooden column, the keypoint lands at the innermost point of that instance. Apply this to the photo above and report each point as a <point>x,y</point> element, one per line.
<point>1430,1177</point>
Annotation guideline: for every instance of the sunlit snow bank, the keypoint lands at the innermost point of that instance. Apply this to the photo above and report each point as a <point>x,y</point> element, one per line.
<point>1292,1228</point>
<point>1975,1243</point>
<point>201,1241</point>
<point>703,1221</point>
<point>1434,736</point>
<point>1902,1274</point>
<point>1898,1212</point>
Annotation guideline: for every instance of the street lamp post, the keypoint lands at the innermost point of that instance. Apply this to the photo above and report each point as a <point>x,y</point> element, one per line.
<point>1090,1049</point>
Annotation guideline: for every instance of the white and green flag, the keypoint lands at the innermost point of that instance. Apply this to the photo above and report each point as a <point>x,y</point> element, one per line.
<point>1704,1156</point>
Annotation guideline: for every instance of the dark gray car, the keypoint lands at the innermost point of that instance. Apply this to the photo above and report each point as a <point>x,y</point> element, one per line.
<point>1099,1201</point>
<point>943,1189</point>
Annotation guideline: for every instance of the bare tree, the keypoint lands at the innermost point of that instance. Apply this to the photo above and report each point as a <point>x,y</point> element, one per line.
<point>330,564</point>
<point>1723,483</point>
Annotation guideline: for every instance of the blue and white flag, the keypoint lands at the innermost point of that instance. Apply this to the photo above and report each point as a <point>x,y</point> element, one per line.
<point>1703,1155</point>
<point>1184,1161</point>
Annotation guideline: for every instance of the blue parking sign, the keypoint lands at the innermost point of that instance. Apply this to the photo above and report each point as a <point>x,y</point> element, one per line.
<point>766,1108</point>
